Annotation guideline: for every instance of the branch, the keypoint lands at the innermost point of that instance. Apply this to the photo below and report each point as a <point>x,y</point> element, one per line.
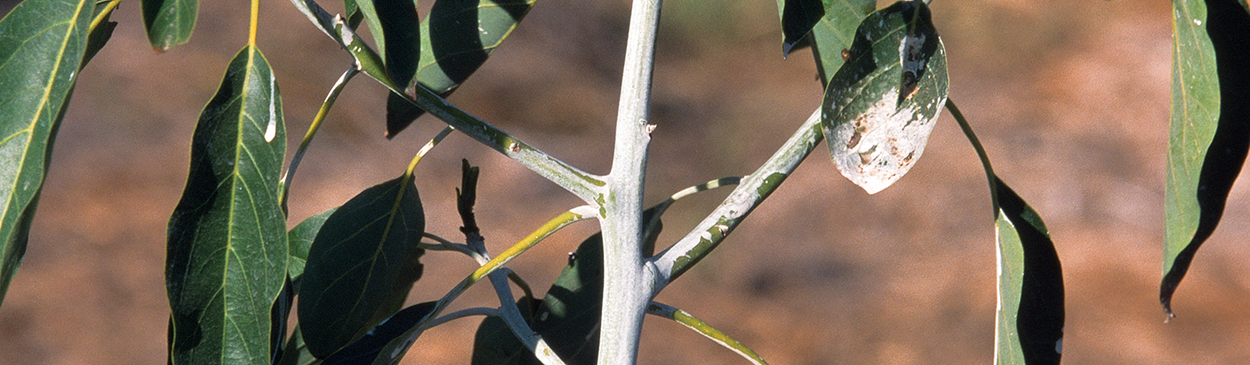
<point>691,322</point>
<point>626,285</point>
<point>752,190</point>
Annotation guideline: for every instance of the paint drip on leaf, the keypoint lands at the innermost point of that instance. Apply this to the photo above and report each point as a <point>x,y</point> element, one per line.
<point>882,104</point>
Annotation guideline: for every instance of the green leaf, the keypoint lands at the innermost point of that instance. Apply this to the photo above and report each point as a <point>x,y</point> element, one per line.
<point>100,35</point>
<point>227,250</point>
<point>354,17</point>
<point>300,239</point>
<point>835,32</point>
<point>797,19</point>
<point>361,265</point>
<point>568,318</point>
<point>397,35</point>
<point>367,348</point>
<point>1030,284</point>
<point>881,105</point>
<point>1210,132</point>
<point>169,22</point>
<point>495,344</point>
<point>457,38</point>
<point>42,44</point>
<point>296,352</point>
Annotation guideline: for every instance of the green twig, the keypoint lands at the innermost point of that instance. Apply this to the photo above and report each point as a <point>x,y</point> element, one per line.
<point>976,144</point>
<point>312,131</point>
<point>399,347</point>
<point>691,322</point>
<point>476,311</point>
<point>99,18</point>
<point>752,190</point>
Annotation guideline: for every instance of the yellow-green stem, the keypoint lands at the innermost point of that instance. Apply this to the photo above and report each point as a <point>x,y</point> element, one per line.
<point>254,22</point>
<point>426,149</point>
<point>312,131</point>
<point>108,9</point>
<point>976,144</point>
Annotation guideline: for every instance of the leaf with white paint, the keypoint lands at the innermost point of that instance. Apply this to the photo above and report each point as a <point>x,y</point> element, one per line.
<point>226,259</point>
<point>882,104</point>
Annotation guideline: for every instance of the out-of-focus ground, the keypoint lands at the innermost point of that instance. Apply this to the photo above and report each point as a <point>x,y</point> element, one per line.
<point>1070,98</point>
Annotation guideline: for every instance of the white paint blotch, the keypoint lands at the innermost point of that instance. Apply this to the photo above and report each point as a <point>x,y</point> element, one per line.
<point>1197,21</point>
<point>272,130</point>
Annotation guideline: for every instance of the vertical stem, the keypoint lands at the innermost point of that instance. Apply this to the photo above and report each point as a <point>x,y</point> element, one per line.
<point>626,285</point>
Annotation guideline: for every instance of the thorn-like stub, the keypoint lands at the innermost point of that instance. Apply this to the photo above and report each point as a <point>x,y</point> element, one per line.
<point>514,147</point>
<point>650,128</point>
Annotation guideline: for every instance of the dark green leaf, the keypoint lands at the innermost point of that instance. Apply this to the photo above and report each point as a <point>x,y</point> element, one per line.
<point>169,22</point>
<point>834,33</point>
<point>1030,284</point>
<point>367,348</point>
<point>568,319</point>
<point>456,39</point>
<point>397,35</point>
<point>227,251</point>
<point>882,104</point>
<point>1210,131</point>
<point>42,43</point>
<point>797,19</point>
<point>495,344</point>
<point>361,265</point>
<point>296,352</point>
<point>300,239</point>
<point>100,35</point>
<point>354,17</point>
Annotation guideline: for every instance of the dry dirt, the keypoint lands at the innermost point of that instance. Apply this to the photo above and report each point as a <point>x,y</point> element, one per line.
<point>1070,97</point>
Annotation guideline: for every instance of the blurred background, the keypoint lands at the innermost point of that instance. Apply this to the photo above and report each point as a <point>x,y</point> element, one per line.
<point>1070,97</point>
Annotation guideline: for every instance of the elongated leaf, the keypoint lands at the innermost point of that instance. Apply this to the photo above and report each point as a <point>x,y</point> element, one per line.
<point>296,352</point>
<point>797,19</point>
<point>835,32</point>
<point>568,318</point>
<point>456,39</point>
<point>495,344</point>
<point>1210,131</point>
<point>227,251</point>
<point>881,105</point>
<point>300,239</point>
<point>361,265</point>
<point>42,44</point>
<point>354,17</point>
<point>169,22</point>
<point>1030,285</point>
<point>100,35</point>
<point>367,348</point>
<point>397,35</point>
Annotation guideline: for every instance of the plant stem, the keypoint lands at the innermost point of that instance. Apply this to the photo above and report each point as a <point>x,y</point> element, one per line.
<point>626,284</point>
<point>976,144</point>
<point>696,324</point>
<point>312,131</point>
<point>752,190</point>
<point>253,23</point>
<point>104,14</point>
<point>426,149</point>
